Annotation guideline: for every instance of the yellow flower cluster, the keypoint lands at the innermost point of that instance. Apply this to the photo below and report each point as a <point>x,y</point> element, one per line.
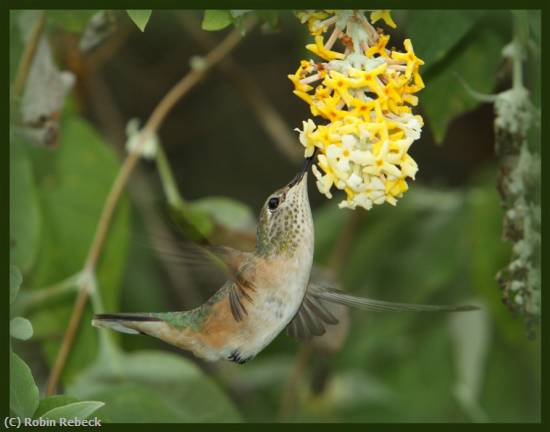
<point>365,91</point>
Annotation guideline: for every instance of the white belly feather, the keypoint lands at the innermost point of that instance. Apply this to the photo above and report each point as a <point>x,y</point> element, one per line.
<point>275,307</point>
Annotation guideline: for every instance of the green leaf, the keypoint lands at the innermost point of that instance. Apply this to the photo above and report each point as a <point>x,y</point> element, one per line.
<point>71,20</point>
<point>20,328</point>
<point>136,403</point>
<point>445,97</point>
<point>74,183</point>
<point>226,212</point>
<point>140,17</point>
<point>195,224</point>
<point>237,13</point>
<point>150,386</point>
<point>471,337</point>
<point>25,217</point>
<point>15,282</point>
<point>23,390</point>
<point>216,19</point>
<point>78,410</point>
<point>435,32</point>
<point>52,402</point>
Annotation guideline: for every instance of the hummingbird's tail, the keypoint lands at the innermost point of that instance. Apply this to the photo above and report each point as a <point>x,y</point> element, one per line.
<point>130,323</point>
<point>181,329</point>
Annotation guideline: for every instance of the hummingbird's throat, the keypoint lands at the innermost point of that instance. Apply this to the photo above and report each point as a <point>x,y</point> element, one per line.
<point>290,228</point>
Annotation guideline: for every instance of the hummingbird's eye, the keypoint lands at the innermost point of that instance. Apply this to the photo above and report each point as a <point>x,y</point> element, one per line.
<point>273,203</point>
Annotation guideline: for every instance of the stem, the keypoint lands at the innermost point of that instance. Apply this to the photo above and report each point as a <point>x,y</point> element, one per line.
<point>167,180</point>
<point>289,393</point>
<point>333,37</point>
<point>45,294</point>
<point>517,58</point>
<point>343,245</point>
<point>68,338</point>
<point>28,56</point>
<point>154,122</point>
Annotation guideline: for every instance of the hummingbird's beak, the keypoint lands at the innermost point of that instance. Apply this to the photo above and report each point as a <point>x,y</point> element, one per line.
<point>307,164</point>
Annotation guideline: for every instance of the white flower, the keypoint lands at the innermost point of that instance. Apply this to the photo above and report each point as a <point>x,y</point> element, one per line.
<point>324,182</point>
<point>307,129</point>
<point>409,168</point>
<point>148,150</point>
<point>354,181</point>
<point>364,201</point>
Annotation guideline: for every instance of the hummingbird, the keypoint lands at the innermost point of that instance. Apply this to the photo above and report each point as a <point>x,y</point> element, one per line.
<point>266,291</point>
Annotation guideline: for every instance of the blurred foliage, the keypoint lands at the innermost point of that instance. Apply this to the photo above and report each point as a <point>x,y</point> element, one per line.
<point>441,244</point>
<point>71,197</point>
<point>140,17</point>
<point>152,386</point>
<point>455,46</point>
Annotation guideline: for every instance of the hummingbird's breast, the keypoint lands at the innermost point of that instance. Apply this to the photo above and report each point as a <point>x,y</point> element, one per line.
<point>279,301</point>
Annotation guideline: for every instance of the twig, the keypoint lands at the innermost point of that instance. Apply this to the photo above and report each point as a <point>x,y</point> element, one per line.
<point>152,125</point>
<point>171,191</point>
<point>34,298</point>
<point>478,96</point>
<point>289,391</point>
<point>28,56</point>
<point>272,122</point>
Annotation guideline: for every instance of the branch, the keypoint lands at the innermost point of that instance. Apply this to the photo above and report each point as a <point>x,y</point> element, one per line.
<point>288,399</point>
<point>38,297</point>
<point>152,125</point>
<point>28,56</point>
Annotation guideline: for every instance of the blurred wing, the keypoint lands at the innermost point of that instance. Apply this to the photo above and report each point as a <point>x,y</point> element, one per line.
<point>221,264</point>
<point>313,314</point>
<point>213,264</point>
<point>235,266</point>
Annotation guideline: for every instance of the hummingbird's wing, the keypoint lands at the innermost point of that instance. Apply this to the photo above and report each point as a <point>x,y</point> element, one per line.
<point>240,290</point>
<point>308,322</point>
<point>220,264</point>
<point>236,266</point>
<point>216,264</point>
<point>311,317</point>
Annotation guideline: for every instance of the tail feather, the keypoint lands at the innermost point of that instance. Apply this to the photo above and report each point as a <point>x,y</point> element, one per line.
<point>123,322</point>
<point>127,317</point>
<point>170,327</point>
<point>379,305</point>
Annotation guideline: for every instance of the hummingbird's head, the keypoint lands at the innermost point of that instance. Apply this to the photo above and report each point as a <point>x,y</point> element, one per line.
<point>285,219</point>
